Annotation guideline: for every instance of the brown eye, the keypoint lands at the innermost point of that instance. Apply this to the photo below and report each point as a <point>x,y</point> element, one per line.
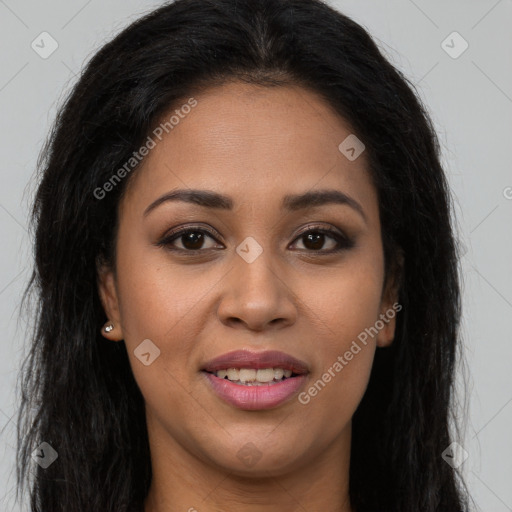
<point>314,240</point>
<point>192,239</point>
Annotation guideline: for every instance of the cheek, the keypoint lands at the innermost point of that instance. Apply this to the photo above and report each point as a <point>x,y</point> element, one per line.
<point>333,395</point>
<point>158,302</point>
<point>345,353</point>
<point>345,300</point>
<point>344,307</point>
<point>156,296</point>
<point>166,310</point>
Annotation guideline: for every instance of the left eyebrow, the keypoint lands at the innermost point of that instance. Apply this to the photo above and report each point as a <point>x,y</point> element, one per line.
<point>291,202</point>
<point>321,198</point>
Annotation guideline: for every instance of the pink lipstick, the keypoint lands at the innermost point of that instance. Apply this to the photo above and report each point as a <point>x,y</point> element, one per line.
<point>255,380</point>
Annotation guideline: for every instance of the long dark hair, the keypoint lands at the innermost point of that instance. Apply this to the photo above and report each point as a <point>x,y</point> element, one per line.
<point>77,390</point>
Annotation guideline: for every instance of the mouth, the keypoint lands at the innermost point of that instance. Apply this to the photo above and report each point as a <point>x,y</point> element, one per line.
<point>254,376</point>
<point>250,380</point>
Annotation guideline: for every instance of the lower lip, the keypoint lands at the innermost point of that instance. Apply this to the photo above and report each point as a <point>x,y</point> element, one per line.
<point>255,397</point>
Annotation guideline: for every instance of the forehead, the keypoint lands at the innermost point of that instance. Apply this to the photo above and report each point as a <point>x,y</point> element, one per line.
<point>253,143</point>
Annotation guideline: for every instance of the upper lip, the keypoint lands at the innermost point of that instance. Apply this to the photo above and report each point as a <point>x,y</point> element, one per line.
<point>257,360</point>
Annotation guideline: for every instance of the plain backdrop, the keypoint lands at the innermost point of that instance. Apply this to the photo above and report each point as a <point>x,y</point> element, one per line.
<point>469,96</point>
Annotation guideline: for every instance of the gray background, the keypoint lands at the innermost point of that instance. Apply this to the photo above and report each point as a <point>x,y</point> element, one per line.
<point>469,98</point>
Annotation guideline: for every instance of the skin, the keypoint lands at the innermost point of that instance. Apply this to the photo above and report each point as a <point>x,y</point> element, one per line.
<point>256,145</point>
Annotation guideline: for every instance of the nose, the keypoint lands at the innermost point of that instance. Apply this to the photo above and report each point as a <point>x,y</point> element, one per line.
<point>257,296</point>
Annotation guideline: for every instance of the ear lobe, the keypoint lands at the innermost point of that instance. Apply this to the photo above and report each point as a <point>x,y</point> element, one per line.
<point>389,303</point>
<point>107,291</point>
<point>386,335</point>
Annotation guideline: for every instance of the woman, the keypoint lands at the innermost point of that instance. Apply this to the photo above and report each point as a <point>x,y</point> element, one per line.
<point>246,275</point>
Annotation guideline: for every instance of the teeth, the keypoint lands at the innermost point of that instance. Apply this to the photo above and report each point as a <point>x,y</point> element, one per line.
<point>264,375</point>
<point>221,374</point>
<point>247,375</point>
<point>278,373</point>
<point>232,374</point>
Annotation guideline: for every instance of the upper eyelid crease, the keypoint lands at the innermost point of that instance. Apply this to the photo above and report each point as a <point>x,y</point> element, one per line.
<point>291,202</point>
<point>338,236</point>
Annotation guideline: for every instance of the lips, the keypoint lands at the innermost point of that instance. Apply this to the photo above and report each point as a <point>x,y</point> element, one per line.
<point>253,398</point>
<point>256,360</point>
<point>264,396</point>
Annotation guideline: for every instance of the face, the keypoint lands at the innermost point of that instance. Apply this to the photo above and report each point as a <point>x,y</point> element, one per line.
<point>259,270</point>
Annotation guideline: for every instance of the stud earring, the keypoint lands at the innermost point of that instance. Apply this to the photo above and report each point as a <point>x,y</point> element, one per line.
<point>108,327</point>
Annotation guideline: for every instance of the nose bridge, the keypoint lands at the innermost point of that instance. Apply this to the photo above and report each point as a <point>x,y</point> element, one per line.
<point>255,270</point>
<point>255,292</point>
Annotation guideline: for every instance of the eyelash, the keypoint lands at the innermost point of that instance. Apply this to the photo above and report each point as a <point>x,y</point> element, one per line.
<point>343,242</point>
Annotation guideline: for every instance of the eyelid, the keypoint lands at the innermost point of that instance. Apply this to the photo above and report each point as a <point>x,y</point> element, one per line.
<point>342,239</point>
<point>183,229</point>
<point>321,228</point>
<point>169,237</point>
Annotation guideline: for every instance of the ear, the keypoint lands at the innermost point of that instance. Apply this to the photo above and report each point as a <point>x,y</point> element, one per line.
<point>107,290</point>
<point>389,304</point>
